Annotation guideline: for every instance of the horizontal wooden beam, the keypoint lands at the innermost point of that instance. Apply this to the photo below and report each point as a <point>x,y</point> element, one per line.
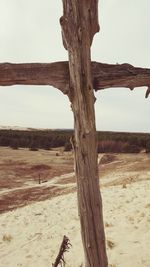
<point>119,75</point>
<point>54,74</point>
<point>57,74</point>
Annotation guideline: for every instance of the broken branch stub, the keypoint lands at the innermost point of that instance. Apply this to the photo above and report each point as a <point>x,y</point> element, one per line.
<point>119,75</point>
<point>147,92</point>
<point>72,12</point>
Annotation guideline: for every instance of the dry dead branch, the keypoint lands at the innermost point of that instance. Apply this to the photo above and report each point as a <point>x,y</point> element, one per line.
<point>65,246</point>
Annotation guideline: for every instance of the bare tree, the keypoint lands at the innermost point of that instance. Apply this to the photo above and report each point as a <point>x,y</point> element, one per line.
<point>77,78</point>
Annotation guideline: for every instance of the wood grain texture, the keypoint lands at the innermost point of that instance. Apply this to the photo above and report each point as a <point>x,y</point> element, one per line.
<point>78,31</point>
<point>119,75</point>
<point>56,74</point>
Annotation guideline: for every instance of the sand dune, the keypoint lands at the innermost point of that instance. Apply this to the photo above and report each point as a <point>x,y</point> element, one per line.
<point>31,236</point>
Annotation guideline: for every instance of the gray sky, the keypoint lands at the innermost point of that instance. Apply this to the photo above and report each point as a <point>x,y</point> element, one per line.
<point>30,32</point>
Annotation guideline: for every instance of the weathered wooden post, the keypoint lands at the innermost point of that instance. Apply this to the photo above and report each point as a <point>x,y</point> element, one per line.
<point>79,24</point>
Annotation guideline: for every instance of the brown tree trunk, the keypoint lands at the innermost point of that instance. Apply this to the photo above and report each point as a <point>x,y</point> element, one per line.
<point>79,25</point>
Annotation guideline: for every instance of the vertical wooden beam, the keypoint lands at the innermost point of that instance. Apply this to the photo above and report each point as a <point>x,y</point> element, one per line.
<point>79,24</point>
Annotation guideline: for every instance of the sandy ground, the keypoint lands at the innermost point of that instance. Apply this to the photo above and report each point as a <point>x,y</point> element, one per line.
<point>21,169</point>
<point>30,236</point>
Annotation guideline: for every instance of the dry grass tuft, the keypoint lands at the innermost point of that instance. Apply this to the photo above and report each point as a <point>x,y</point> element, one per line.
<point>110,244</point>
<point>148,205</point>
<point>124,185</point>
<point>7,237</point>
<point>108,224</point>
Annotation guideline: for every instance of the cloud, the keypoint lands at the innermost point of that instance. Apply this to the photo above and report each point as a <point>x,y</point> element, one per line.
<point>35,106</point>
<point>30,32</point>
<point>118,110</point>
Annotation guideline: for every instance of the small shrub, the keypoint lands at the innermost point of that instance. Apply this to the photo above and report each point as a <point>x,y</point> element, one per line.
<point>108,224</point>
<point>40,167</point>
<point>14,147</point>
<point>14,144</point>
<point>33,149</point>
<point>110,244</point>
<point>107,158</point>
<point>131,148</point>
<point>148,147</point>
<point>110,146</point>
<point>67,146</point>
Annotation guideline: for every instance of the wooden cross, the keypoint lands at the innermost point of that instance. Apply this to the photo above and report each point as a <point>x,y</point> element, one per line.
<point>77,78</point>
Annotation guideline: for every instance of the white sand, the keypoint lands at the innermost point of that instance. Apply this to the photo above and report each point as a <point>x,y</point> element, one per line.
<point>31,236</point>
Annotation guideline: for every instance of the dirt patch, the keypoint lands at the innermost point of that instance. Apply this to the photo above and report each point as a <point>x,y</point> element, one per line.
<point>68,180</point>
<point>20,171</point>
<point>107,158</point>
<point>22,167</point>
<point>22,197</point>
<point>40,167</point>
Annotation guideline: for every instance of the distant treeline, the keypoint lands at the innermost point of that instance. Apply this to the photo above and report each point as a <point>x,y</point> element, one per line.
<point>34,139</point>
<point>117,142</point>
<point>120,142</point>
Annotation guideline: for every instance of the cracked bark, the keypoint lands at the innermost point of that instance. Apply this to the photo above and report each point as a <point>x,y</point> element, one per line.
<point>80,18</point>
<point>56,74</point>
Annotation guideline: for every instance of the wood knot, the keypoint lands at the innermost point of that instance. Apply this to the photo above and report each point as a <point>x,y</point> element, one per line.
<point>62,20</point>
<point>83,135</point>
<point>79,33</point>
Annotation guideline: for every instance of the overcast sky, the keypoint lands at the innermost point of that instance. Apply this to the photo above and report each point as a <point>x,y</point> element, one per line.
<point>30,32</point>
